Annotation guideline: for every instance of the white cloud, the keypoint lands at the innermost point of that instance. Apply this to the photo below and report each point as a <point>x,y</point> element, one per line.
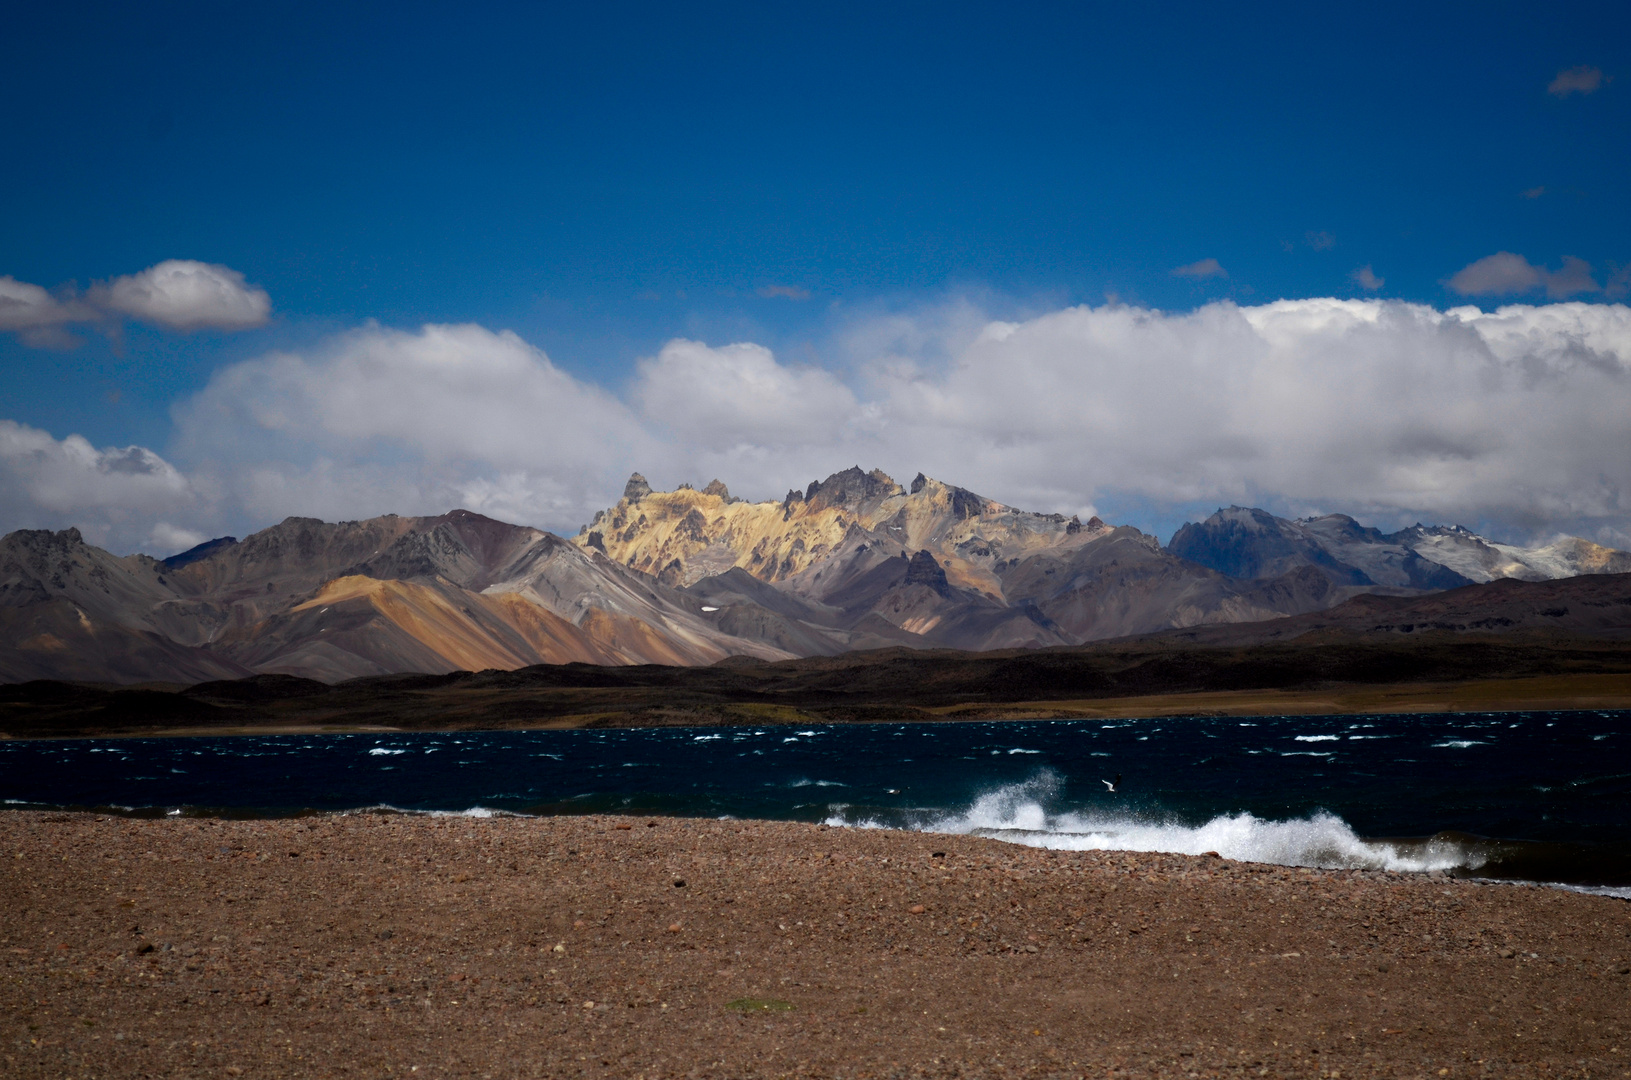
<point>1366,279</point>
<point>719,398</point>
<point>1387,410</point>
<point>37,317</point>
<point>1506,274</point>
<point>1584,79</point>
<point>785,292</point>
<point>113,494</point>
<point>380,420</point>
<point>167,539</point>
<point>178,293</point>
<point>186,295</point>
<point>1206,268</point>
<point>1378,406</point>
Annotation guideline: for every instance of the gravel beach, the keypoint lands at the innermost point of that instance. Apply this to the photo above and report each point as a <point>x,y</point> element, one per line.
<point>386,945</point>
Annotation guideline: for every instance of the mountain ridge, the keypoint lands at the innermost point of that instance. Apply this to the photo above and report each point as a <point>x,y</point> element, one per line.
<point>696,576</point>
<point>1251,543</point>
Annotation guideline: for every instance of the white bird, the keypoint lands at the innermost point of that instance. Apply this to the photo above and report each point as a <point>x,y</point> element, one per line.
<point>1112,784</point>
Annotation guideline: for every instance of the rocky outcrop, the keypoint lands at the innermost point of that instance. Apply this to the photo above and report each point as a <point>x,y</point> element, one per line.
<point>686,535</point>
<point>636,489</point>
<point>923,570</point>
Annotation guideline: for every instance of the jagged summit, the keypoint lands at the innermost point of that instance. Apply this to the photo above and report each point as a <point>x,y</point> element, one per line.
<point>636,489</point>
<point>683,536</point>
<point>851,489</point>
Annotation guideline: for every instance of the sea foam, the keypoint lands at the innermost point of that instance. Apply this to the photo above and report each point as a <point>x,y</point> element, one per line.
<point>1017,813</point>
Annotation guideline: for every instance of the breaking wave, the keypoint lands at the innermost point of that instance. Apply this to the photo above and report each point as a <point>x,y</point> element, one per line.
<point>1018,813</point>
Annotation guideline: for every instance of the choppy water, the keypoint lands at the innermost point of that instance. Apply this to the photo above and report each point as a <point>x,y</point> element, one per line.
<point>1535,796</point>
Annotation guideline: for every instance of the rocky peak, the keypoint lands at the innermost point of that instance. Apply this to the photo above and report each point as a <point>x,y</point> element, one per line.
<point>924,570</point>
<point>965,504</point>
<point>717,487</point>
<point>850,488</point>
<point>637,488</point>
<point>45,540</point>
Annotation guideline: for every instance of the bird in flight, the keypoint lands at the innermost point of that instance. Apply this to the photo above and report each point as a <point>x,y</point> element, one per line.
<point>1112,784</point>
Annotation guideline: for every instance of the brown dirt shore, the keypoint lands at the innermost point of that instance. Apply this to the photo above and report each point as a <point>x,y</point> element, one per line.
<point>390,946</point>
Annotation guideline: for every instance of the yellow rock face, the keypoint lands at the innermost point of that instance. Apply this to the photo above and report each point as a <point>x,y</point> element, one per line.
<point>686,535</point>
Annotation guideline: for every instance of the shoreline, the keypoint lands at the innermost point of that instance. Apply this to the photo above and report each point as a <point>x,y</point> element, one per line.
<point>403,944</point>
<point>482,813</point>
<point>1558,693</point>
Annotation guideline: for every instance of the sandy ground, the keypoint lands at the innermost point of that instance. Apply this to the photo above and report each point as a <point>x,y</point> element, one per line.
<point>387,946</point>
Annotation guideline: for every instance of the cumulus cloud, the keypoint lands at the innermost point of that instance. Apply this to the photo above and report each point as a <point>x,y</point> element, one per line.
<point>1366,279</point>
<point>167,539</point>
<point>739,395</point>
<point>1584,79</point>
<point>381,420</point>
<point>186,295</point>
<point>1506,274</point>
<point>179,294</point>
<point>113,494</point>
<point>36,317</point>
<point>1371,406</point>
<point>1391,411</point>
<point>1206,268</point>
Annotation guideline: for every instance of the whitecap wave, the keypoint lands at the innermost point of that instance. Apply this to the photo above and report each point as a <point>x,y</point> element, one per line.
<point>1018,813</point>
<point>471,812</point>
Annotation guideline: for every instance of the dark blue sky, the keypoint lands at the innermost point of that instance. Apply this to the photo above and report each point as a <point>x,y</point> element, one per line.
<point>601,178</point>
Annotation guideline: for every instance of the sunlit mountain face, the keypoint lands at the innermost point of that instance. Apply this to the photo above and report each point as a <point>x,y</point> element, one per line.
<point>688,577</point>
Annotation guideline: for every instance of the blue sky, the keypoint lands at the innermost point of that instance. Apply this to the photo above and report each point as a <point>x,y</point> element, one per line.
<point>601,180</point>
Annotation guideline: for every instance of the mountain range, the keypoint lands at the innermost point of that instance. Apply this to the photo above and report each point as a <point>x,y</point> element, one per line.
<point>695,576</point>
